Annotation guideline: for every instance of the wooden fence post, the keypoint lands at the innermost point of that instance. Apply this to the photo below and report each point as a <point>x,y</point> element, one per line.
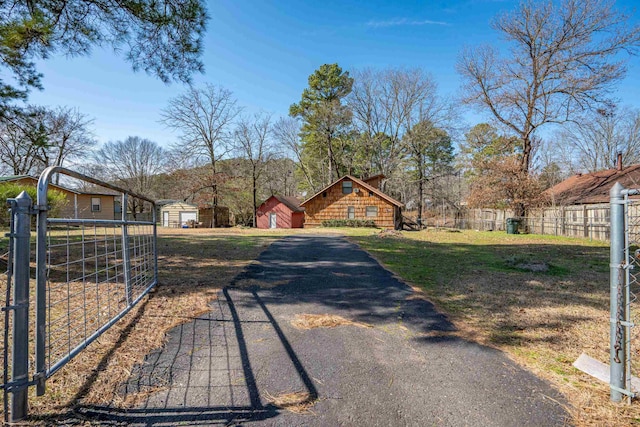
<point>585,220</point>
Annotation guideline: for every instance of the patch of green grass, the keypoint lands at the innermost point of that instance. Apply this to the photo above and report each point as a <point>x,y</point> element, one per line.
<point>435,258</point>
<point>542,299</point>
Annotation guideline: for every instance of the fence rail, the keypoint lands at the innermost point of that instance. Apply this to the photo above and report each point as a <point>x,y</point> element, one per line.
<point>588,221</point>
<point>88,274</point>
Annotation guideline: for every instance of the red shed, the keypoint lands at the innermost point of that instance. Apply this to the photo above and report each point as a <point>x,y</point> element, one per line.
<point>280,212</point>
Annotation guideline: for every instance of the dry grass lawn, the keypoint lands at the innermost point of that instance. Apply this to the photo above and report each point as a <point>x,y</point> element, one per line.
<point>493,287</point>
<point>313,321</point>
<point>542,317</point>
<point>299,402</point>
<point>193,265</point>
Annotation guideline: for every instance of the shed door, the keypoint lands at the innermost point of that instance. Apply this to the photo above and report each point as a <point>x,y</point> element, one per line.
<point>272,220</point>
<point>165,219</point>
<point>188,216</point>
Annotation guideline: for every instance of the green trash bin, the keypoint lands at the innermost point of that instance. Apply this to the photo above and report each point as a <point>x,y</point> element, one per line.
<point>512,225</point>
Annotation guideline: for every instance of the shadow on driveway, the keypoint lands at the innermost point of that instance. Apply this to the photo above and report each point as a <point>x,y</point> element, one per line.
<point>225,367</point>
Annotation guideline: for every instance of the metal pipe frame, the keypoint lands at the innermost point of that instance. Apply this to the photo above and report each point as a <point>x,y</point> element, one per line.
<point>41,270</point>
<point>617,355</point>
<point>21,212</point>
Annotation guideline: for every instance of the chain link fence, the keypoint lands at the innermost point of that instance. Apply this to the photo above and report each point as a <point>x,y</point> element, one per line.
<point>624,287</point>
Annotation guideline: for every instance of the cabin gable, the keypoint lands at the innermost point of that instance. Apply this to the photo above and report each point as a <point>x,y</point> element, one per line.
<point>350,198</point>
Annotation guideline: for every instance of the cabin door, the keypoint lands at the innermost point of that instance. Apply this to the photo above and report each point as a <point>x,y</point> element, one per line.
<point>272,220</point>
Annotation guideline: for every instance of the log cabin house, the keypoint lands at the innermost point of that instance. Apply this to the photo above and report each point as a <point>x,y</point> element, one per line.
<point>352,198</point>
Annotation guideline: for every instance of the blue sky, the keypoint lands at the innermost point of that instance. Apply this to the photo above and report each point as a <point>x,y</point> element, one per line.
<point>264,51</point>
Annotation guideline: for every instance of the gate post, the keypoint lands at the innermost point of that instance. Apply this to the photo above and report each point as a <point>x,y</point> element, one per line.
<point>21,212</point>
<point>617,307</point>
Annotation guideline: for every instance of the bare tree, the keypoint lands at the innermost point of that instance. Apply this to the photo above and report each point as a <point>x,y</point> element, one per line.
<point>134,164</point>
<point>286,132</point>
<point>253,142</point>
<point>563,59</point>
<point>279,176</point>
<point>69,136</point>
<point>22,136</point>
<point>430,154</point>
<point>595,139</point>
<point>381,107</point>
<point>204,118</point>
<point>386,104</point>
<point>37,137</point>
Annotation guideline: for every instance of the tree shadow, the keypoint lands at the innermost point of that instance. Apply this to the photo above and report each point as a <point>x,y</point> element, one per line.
<point>492,282</point>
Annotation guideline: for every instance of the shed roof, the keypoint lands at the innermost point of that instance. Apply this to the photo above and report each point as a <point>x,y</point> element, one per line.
<point>593,187</point>
<point>372,177</point>
<point>9,178</point>
<point>362,184</point>
<point>163,202</point>
<point>167,205</point>
<point>291,202</point>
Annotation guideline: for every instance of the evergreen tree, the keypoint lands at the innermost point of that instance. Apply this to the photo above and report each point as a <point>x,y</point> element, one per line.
<point>326,120</point>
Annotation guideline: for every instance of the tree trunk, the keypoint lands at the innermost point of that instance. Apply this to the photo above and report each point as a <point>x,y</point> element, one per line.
<point>214,202</point>
<point>330,154</point>
<point>526,156</point>
<point>520,210</point>
<point>255,202</point>
<point>420,192</point>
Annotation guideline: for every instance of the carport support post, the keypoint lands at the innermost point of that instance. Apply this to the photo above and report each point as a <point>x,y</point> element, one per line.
<point>617,336</point>
<point>20,210</point>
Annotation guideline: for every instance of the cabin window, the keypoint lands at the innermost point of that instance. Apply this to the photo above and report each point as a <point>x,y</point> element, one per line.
<point>372,211</point>
<point>347,187</point>
<point>370,193</point>
<point>324,194</point>
<point>96,204</point>
<point>351,212</point>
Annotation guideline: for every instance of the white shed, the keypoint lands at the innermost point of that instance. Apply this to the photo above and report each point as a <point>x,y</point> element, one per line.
<point>178,214</point>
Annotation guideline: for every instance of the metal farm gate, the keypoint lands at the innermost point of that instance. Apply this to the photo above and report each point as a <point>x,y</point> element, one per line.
<point>81,277</point>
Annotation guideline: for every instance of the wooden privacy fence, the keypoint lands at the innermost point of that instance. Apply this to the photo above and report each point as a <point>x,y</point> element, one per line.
<point>586,221</point>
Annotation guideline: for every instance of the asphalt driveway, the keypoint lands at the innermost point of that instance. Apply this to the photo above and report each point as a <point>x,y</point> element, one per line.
<point>225,367</point>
